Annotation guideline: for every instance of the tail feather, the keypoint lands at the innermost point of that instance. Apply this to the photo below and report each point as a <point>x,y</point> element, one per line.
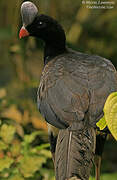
<point>74,154</point>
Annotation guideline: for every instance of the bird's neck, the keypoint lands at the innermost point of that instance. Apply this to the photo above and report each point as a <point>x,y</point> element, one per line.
<point>52,50</point>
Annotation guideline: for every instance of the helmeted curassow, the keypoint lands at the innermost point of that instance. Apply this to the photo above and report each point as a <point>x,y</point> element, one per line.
<point>73,89</point>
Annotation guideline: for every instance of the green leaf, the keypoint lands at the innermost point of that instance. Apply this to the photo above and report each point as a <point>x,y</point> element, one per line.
<point>3,146</point>
<point>5,163</point>
<point>110,113</point>
<point>30,164</point>
<point>101,123</point>
<point>109,102</point>
<point>16,177</point>
<point>30,138</point>
<point>43,146</point>
<point>45,153</point>
<point>7,133</point>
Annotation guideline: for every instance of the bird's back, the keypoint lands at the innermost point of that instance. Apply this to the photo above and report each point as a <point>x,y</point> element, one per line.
<point>74,86</point>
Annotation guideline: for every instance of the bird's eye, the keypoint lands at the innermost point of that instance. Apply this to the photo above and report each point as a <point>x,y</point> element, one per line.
<point>40,23</point>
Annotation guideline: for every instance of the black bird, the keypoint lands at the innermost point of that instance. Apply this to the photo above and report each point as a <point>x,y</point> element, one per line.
<point>73,89</point>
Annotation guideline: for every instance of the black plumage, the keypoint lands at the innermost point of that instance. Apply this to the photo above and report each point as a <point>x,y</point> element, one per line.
<point>73,89</point>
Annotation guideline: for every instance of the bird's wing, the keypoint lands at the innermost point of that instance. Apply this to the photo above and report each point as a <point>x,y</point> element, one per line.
<point>62,100</point>
<point>76,90</point>
<point>102,82</point>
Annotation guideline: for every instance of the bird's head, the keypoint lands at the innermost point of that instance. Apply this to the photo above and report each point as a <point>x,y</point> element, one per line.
<point>40,25</point>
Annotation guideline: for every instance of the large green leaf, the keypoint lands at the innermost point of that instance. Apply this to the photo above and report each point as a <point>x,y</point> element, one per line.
<point>110,113</point>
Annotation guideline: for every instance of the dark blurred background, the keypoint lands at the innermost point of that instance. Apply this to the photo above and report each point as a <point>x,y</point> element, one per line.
<point>93,31</point>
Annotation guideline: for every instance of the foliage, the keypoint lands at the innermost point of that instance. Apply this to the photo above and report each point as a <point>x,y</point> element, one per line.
<point>110,115</point>
<point>101,123</point>
<point>19,158</point>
